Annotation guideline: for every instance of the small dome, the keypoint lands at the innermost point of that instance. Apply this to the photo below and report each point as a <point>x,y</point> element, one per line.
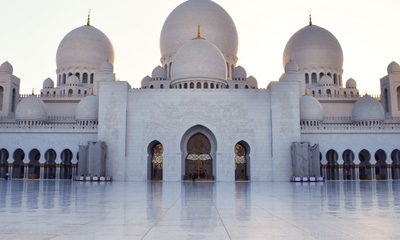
<point>107,67</point>
<point>239,72</point>
<point>313,46</point>
<point>326,80</point>
<point>291,67</point>
<point>310,109</point>
<point>6,67</point>
<point>159,72</point>
<point>199,60</point>
<point>216,25</point>
<point>87,109</point>
<point>146,81</point>
<point>367,108</point>
<point>84,47</point>
<point>73,80</point>
<point>252,82</point>
<point>351,83</point>
<point>48,83</point>
<point>31,108</point>
<point>393,67</point>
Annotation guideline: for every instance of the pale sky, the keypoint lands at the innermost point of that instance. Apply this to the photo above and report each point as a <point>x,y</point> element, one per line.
<point>368,32</point>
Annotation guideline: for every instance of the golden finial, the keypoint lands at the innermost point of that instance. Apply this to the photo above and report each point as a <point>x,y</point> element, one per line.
<point>310,17</point>
<point>33,92</point>
<point>306,94</point>
<point>88,17</point>
<point>91,94</point>
<point>198,34</point>
<point>366,93</point>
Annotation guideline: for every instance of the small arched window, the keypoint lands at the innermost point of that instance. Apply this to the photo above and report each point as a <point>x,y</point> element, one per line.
<point>70,92</point>
<point>236,86</point>
<point>198,85</point>
<point>212,85</point>
<point>170,69</point>
<point>191,85</point>
<point>321,75</point>
<point>85,78</point>
<point>246,87</point>
<point>307,78</point>
<point>151,87</point>
<point>313,78</point>
<point>64,78</point>
<point>185,85</point>
<point>335,78</point>
<point>162,86</point>
<point>78,75</point>
<point>328,91</point>
<point>13,100</point>
<point>205,85</point>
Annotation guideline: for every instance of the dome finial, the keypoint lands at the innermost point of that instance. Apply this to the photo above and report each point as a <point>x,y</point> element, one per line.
<point>91,94</point>
<point>88,17</point>
<point>33,92</point>
<point>306,93</point>
<point>310,17</point>
<point>198,34</point>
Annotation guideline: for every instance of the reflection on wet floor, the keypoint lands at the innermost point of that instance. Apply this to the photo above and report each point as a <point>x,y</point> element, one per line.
<point>199,210</point>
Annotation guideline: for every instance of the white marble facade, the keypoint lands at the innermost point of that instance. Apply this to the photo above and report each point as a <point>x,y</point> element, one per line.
<point>202,93</point>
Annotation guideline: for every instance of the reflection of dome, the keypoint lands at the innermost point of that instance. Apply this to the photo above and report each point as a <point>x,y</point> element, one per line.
<point>31,108</point>
<point>310,109</point>
<point>159,72</point>
<point>367,108</point>
<point>291,67</point>
<point>87,109</point>
<point>393,67</point>
<point>199,60</point>
<point>84,47</point>
<point>145,81</point>
<point>107,67</point>
<point>313,46</point>
<point>239,73</point>
<point>216,24</point>
<point>351,83</point>
<point>326,80</point>
<point>73,80</point>
<point>48,83</point>
<point>6,67</point>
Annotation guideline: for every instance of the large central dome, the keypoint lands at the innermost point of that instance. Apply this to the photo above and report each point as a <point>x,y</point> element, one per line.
<point>314,47</point>
<point>216,25</point>
<point>84,47</point>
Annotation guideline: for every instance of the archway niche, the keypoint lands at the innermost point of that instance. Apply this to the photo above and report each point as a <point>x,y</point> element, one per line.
<point>395,164</point>
<point>380,166</point>
<point>50,164</point>
<point>198,147</point>
<point>332,171</point>
<point>4,155</point>
<point>66,164</point>
<point>242,161</point>
<point>155,160</point>
<point>349,171</point>
<point>34,165</point>
<point>365,165</point>
<point>18,164</point>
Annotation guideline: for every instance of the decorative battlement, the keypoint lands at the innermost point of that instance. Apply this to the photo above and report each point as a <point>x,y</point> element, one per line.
<point>352,128</point>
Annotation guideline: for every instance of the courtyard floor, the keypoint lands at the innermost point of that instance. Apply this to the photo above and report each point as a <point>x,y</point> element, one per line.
<point>59,209</point>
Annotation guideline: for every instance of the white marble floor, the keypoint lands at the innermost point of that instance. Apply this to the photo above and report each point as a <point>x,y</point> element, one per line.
<point>201,210</point>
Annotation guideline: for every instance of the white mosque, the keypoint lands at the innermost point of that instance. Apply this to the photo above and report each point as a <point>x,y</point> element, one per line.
<point>199,116</point>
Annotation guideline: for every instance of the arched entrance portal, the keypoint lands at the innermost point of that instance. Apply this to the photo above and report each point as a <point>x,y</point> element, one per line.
<point>396,164</point>
<point>3,163</point>
<point>380,166</point>
<point>198,162</point>
<point>332,172</point>
<point>50,164</point>
<point>349,172</point>
<point>66,164</point>
<point>18,164</point>
<point>242,161</point>
<point>365,165</point>
<point>156,151</point>
<point>34,165</point>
